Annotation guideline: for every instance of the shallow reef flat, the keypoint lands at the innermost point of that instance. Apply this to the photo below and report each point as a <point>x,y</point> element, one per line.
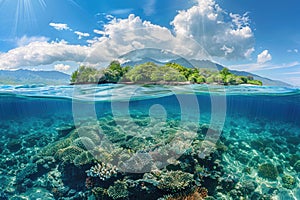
<point>145,158</point>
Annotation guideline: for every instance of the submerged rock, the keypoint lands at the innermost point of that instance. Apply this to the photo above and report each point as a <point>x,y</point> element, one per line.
<point>26,172</point>
<point>14,145</point>
<point>248,187</point>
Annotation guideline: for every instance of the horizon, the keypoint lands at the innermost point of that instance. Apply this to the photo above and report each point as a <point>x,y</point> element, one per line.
<point>59,36</point>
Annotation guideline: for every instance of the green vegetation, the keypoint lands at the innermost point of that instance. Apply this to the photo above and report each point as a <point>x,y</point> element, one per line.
<point>151,73</point>
<point>112,74</point>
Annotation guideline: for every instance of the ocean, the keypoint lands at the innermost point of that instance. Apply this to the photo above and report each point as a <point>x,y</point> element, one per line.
<point>149,142</point>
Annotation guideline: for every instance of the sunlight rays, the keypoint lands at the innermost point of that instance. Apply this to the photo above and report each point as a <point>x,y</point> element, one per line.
<point>22,12</point>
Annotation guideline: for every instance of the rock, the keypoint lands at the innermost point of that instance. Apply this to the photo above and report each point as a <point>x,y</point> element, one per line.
<point>14,145</point>
<point>65,130</point>
<point>248,187</point>
<point>26,172</point>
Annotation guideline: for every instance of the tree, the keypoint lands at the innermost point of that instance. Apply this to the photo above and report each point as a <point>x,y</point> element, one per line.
<point>74,76</point>
<point>85,74</point>
<point>142,73</point>
<point>225,71</point>
<point>168,74</point>
<point>150,72</point>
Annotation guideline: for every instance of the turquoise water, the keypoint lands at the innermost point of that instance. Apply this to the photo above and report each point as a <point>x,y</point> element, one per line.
<point>151,142</point>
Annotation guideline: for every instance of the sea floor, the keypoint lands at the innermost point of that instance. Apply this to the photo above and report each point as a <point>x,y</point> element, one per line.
<point>50,158</point>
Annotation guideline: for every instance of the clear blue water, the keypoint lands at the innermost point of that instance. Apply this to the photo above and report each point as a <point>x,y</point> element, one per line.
<point>251,121</point>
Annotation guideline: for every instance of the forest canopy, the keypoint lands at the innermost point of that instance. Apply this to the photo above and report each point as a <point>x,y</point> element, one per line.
<point>151,73</point>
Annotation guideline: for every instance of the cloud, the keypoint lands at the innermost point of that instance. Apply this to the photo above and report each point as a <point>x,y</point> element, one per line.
<point>292,73</point>
<point>264,66</point>
<point>214,29</point>
<point>109,17</point>
<point>62,67</point>
<point>42,53</point>
<point>81,34</point>
<point>201,32</point>
<point>293,51</point>
<point>99,32</point>
<point>264,57</point>
<point>25,40</point>
<point>119,12</point>
<point>59,26</point>
<point>149,7</point>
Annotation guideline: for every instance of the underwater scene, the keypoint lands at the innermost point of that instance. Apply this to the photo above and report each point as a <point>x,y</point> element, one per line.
<point>187,142</point>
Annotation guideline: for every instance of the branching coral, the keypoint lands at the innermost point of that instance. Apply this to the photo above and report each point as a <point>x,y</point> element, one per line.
<point>103,171</point>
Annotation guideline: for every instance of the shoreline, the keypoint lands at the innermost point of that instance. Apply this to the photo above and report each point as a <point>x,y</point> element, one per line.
<point>152,83</point>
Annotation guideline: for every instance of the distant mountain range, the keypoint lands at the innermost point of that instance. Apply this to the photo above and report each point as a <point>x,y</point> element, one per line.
<point>23,76</point>
<point>160,58</point>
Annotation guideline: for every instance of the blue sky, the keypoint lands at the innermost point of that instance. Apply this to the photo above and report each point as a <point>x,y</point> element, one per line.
<point>262,37</point>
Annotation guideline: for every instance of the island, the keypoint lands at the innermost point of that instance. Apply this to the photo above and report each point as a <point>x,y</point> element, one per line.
<point>151,73</point>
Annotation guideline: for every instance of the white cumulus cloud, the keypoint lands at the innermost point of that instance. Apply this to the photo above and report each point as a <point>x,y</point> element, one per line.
<point>42,53</point>
<point>264,57</point>
<point>201,32</point>
<point>81,34</point>
<point>214,29</point>
<point>25,40</point>
<point>59,26</point>
<point>99,32</point>
<point>62,67</point>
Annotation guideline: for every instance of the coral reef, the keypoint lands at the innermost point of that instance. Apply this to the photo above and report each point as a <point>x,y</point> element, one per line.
<point>68,154</point>
<point>288,181</point>
<point>118,190</point>
<point>183,165</point>
<point>268,171</point>
<point>175,181</point>
<point>83,158</point>
<point>27,171</point>
<point>84,143</point>
<point>103,171</point>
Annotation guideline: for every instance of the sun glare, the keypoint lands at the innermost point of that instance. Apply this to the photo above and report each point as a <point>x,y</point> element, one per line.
<point>22,12</point>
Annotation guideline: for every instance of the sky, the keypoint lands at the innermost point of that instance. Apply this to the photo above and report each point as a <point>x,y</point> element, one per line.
<point>262,37</point>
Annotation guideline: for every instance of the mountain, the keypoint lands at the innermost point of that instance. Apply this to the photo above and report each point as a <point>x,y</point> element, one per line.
<point>24,76</point>
<point>264,80</point>
<point>161,57</point>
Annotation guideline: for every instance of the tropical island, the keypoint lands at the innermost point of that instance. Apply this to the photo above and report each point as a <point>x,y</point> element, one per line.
<point>151,73</point>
